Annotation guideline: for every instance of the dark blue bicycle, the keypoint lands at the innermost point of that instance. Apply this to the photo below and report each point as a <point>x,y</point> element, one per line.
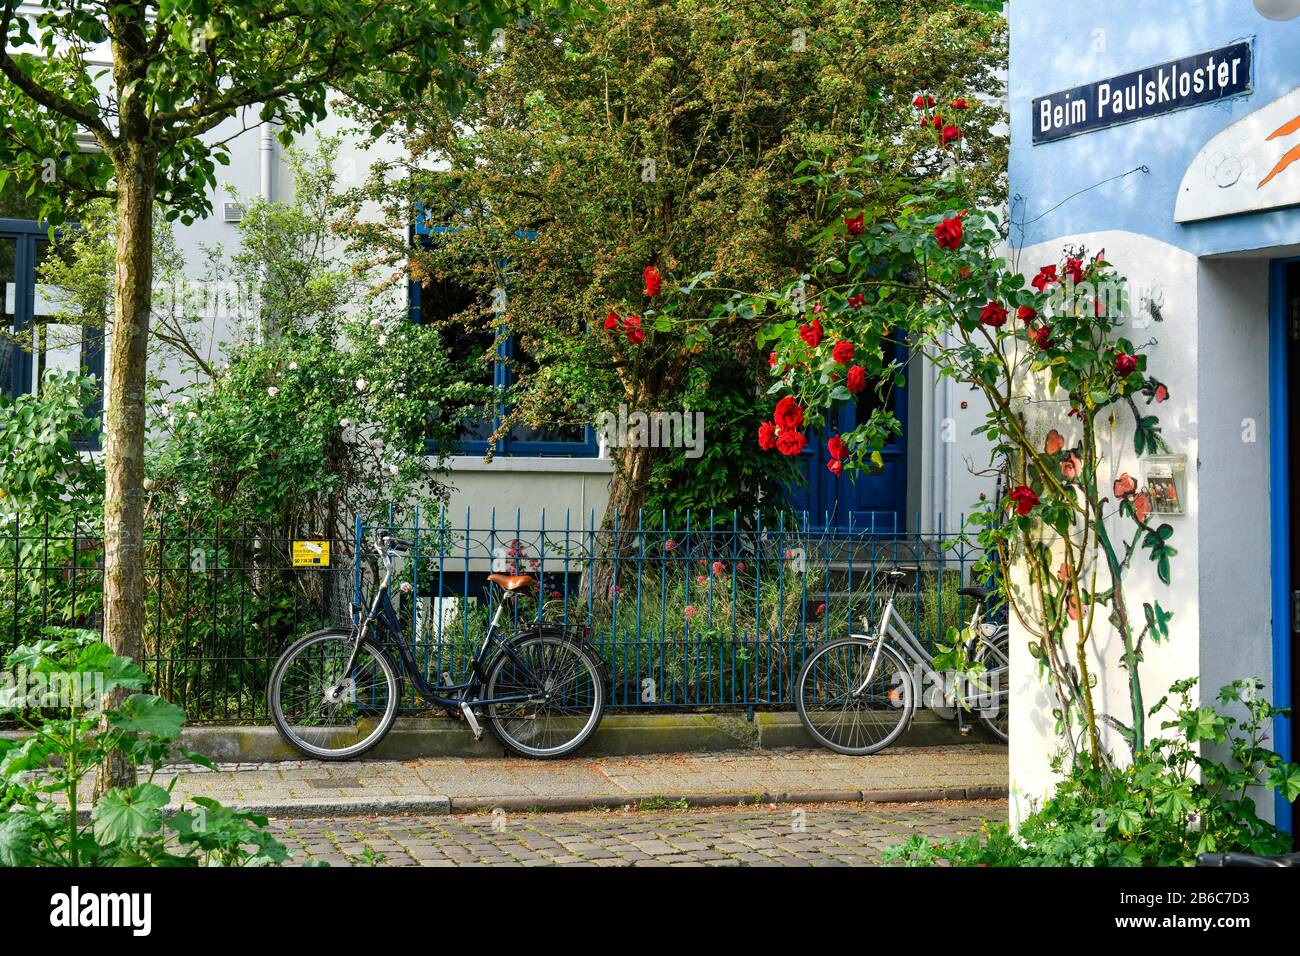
<point>335,693</point>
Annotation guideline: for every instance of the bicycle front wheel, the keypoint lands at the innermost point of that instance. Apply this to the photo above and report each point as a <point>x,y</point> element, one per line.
<point>563,683</point>
<point>325,710</point>
<point>845,705</point>
<point>992,702</point>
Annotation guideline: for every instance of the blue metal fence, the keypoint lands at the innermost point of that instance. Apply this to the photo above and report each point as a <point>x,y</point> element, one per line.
<point>708,614</point>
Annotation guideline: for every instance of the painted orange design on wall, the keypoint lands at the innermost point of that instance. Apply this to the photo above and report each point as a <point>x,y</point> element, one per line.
<point>1293,154</point>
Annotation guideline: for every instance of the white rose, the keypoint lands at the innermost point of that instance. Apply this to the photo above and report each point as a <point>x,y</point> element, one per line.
<point>392,469</point>
<point>376,324</point>
<point>293,366</point>
<point>362,385</point>
<point>344,422</point>
<point>273,391</point>
<point>383,340</point>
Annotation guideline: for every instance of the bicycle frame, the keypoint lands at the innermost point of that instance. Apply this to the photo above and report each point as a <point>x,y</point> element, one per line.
<point>382,611</point>
<point>892,624</point>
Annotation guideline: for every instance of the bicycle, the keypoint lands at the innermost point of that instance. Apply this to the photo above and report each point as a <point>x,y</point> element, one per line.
<point>334,694</point>
<point>857,695</point>
<point>1246,859</point>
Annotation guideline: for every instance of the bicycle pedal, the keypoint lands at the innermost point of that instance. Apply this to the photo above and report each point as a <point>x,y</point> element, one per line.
<point>470,719</point>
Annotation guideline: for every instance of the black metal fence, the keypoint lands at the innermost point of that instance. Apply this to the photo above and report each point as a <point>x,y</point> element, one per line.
<point>703,615</point>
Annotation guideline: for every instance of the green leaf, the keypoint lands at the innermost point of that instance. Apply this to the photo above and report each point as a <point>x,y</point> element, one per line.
<point>125,814</point>
<point>147,714</point>
<point>15,840</point>
<point>1285,778</point>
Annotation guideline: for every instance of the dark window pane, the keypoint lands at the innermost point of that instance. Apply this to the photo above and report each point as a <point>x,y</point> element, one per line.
<point>9,305</point>
<point>440,303</point>
<point>523,365</point>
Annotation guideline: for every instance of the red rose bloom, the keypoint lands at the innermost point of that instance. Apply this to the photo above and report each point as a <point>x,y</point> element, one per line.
<point>812,334</point>
<point>1046,276</point>
<point>950,134</point>
<point>788,415</point>
<point>654,282</point>
<point>843,352</point>
<point>1162,394</point>
<point>611,321</point>
<point>857,301</point>
<point>949,232</point>
<point>1126,364</point>
<point>1026,313</point>
<point>856,379</point>
<point>921,102</point>
<point>959,104</point>
<point>767,436</point>
<point>1043,336</point>
<point>1075,268</point>
<point>835,445</point>
<point>771,360</point>
<point>1125,486</point>
<point>632,329</point>
<point>856,225</point>
<point>790,443</point>
<point>835,467</point>
<point>718,567</point>
<point>993,315</point>
<point>1024,498</point>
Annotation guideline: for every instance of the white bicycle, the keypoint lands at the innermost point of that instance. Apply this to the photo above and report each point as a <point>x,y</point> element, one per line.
<point>856,695</point>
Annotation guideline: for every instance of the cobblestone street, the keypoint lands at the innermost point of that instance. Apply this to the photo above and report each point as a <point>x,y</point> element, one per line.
<point>776,835</point>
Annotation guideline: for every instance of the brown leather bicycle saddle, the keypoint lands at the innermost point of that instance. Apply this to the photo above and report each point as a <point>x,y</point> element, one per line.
<point>512,582</point>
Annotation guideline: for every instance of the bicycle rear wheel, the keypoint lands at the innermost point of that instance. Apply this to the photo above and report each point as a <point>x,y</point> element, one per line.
<point>566,681</point>
<point>325,711</point>
<point>995,654</point>
<point>845,712</point>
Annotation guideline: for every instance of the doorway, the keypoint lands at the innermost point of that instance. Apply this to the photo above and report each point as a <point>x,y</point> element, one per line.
<point>1284,399</point>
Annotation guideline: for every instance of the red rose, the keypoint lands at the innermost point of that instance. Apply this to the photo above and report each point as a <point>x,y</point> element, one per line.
<point>959,104</point>
<point>771,359</point>
<point>856,225</point>
<point>632,329</point>
<point>1055,442</point>
<point>857,301</point>
<point>1142,506</point>
<point>1043,336</point>
<point>611,321</point>
<point>718,567</point>
<point>835,467</point>
<point>1024,498</point>
<point>936,121</point>
<point>788,415</point>
<point>950,134</point>
<point>835,445</point>
<point>921,102</point>
<point>1046,276</point>
<point>1072,467</point>
<point>993,315</point>
<point>1162,394</point>
<point>1026,313</point>
<point>812,334</point>
<point>1076,270</point>
<point>856,379</point>
<point>1126,364</point>
<point>654,282</point>
<point>949,232</point>
<point>790,443</point>
<point>843,352</point>
<point>767,436</point>
<point>1125,486</point>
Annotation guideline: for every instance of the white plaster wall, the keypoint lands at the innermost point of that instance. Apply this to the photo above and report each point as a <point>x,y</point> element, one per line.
<point>526,486</point>
<point>1172,349</point>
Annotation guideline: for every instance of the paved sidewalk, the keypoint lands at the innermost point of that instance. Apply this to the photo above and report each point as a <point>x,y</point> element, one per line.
<point>459,785</point>
<point>821,835</point>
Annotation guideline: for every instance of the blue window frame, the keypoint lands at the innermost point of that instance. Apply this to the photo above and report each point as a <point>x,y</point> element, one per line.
<point>522,440</point>
<point>23,243</point>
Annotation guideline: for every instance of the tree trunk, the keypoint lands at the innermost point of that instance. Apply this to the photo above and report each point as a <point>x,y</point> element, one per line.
<point>124,430</point>
<point>628,490</point>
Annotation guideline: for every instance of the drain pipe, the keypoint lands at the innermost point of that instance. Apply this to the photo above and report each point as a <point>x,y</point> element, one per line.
<point>268,159</point>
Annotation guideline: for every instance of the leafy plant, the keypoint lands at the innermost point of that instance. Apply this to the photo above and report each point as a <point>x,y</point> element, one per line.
<point>54,689</point>
<point>1176,800</point>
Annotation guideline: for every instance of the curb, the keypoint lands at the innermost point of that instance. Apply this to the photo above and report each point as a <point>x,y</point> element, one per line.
<point>436,805</point>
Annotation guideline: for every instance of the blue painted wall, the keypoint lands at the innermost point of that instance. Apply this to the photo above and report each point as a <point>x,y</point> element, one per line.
<point>1052,48</point>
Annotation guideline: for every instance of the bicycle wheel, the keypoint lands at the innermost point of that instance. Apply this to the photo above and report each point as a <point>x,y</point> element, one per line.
<point>995,654</point>
<point>845,712</point>
<point>567,681</point>
<point>323,712</point>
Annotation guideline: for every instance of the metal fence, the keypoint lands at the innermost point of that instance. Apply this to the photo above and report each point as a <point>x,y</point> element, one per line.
<point>706,615</point>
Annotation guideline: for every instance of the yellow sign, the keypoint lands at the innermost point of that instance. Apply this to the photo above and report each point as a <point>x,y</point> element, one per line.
<point>311,554</point>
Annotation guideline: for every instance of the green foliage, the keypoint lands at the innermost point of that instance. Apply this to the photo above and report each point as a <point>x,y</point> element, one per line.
<point>1179,798</point>
<point>665,134</point>
<point>54,688</point>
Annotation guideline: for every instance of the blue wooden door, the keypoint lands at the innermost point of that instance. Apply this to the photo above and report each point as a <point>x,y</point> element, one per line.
<point>871,502</point>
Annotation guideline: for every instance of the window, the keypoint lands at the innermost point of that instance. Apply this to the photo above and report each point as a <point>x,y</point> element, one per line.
<point>440,301</point>
<point>33,340</point>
